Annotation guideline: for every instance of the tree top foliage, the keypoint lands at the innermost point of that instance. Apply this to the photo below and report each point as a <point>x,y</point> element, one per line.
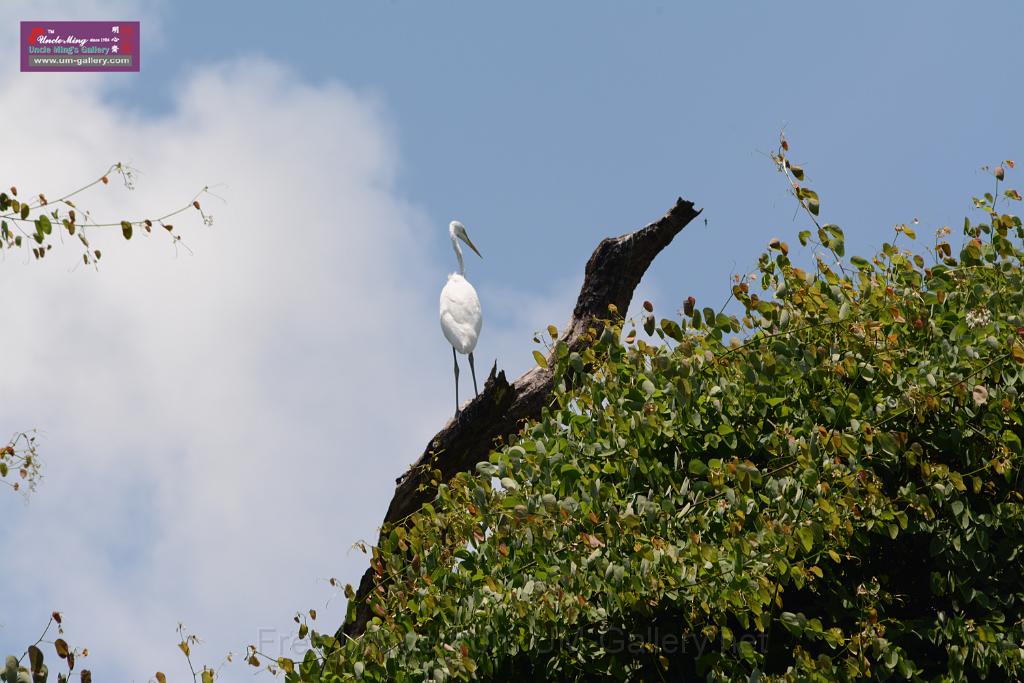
<point>824,486</point>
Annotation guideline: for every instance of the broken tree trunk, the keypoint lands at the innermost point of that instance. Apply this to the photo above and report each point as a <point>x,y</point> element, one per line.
<point>612,273</point>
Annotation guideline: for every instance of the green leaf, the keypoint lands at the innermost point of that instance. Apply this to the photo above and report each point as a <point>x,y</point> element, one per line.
<point>1012,442</point>
<point>792,622</point>
<point>541,360</point>
<point>126,229</point>
<point>887,443</point>
<point>806,537</point>
<point>672,329</point>
<point>576,361</point>
<point>810,197</point>
<point>35,658</point>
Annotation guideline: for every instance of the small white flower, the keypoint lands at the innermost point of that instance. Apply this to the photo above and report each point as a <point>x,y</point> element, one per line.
<point>979,316</point>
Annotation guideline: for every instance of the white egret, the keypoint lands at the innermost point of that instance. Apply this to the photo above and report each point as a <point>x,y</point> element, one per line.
<point>461,317</point>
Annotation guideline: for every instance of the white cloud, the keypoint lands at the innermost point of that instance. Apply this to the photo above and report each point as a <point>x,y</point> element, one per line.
<point>218,427</point>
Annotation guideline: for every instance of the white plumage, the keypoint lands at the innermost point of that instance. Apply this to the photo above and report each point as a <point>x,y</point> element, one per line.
<point>461,317</point>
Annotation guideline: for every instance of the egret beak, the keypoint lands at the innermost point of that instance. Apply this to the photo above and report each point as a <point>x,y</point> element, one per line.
<point>465,238</point>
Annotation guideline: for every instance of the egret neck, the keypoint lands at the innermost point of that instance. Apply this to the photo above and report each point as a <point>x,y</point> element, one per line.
<point>458,249</point>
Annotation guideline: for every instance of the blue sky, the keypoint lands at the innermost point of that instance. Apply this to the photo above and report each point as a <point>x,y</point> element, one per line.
<point>545,126</point>
<point>184,399</point>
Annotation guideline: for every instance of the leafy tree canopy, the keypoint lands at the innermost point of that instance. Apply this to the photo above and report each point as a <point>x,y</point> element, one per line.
<point>823,486</point>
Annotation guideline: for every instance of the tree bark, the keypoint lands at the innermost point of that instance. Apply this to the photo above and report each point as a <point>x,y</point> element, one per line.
<point>611,276</point>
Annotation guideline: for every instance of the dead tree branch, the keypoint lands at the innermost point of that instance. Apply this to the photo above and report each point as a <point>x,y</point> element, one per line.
<point>612,273</point>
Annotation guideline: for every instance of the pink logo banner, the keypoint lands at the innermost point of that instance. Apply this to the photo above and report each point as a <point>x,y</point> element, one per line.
<point>80,46</point>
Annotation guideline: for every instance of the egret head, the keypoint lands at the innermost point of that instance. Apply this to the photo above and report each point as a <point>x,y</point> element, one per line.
<point>458,231</point>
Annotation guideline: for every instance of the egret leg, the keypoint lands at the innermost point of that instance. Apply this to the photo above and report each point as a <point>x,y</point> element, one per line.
<point>456,359</point>
<point>472,371</point>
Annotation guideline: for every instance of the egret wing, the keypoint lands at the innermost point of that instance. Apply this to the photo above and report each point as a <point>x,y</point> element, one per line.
<point>461,317</point>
